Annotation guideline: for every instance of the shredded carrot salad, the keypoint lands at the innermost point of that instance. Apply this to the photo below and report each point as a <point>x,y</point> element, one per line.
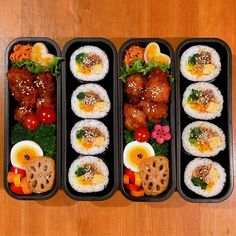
<point>21,52</point>
<point>132,54</point>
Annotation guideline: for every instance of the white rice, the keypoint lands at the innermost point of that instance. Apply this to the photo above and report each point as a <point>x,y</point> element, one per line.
<point>202,86</point>
<point>94,149</point>
<point>219,185</point>
<point>191,149</point>
<point>97,89</point>
<point>91,77</point>
<point>80,162</point>
<point>215,59</point>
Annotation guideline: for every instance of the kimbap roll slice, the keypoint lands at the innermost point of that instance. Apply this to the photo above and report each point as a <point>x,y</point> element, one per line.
<point>203,139</point>
<point>200,63</point>
<point>202,101</point>
<point>89,63</point>
<point>90,101</point>
<point>89,137</point>
<point>204,177</point>
<point>88,174</point>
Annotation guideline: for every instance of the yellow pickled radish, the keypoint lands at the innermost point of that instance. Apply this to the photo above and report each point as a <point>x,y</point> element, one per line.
<point>138,179</point>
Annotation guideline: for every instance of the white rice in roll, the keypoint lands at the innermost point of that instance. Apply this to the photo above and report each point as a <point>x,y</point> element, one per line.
<point>89,63</point>
<point>200,63</point>
<point>204,177</point>
<point>90,101</point>
<point>202,101</point>
<point>89,137</point>
<point>88,174</point>
<point>203,139</point>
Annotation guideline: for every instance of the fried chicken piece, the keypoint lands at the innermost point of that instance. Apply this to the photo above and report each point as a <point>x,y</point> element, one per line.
<point>154,111</point>
<point>46,102</point>
<point>21,84</point>
<point>20,112</point>
<point>45,84</point>
<point>135,86</point>
<point>134,117</point>
<point>158,87</point>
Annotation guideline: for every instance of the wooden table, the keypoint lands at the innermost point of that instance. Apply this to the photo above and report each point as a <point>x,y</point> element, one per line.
<point>62,20</point>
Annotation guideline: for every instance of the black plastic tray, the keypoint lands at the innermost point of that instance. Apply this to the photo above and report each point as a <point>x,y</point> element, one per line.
<point>9,119</point>
<point>224,83</point>
<point>69,83</point>
<point>167,49</point>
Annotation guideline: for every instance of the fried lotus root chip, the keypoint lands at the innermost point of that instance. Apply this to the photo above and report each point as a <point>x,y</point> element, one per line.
<point>155,174</point>
<point>40,174</point>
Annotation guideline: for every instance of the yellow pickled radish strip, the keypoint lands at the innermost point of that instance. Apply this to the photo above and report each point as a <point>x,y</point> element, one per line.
<point>17,180</point>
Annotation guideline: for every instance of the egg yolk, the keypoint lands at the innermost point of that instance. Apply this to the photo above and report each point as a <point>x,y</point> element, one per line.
<point>25,154</point>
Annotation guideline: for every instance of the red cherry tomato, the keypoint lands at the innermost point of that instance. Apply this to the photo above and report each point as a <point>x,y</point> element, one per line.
<point>47,115</point>
<point>18,171</point>
<point>142,134</point>
<point>131,175</point>
<point>16,190</point>
<point>31,122</point>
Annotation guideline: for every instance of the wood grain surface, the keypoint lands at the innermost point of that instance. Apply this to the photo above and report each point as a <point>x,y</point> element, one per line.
<point>62,20</point>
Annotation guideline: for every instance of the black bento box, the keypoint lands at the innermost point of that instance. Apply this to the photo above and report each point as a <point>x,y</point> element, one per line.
<point>166,48</point>
<point>10,104</point>
<point>224,82</point>
<point>69,84</point>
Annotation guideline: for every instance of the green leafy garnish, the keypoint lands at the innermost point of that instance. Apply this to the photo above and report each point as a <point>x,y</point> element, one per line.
<point>36,68</point>
<point>54,66</point>
<point>198,182</point>
<point>164,121</point>
<point>44,136</point>
<point>139,67</point>
<point>192,59</point>
<point>80,57</point>
<point>150,125</point>
<point>128,136</point>
<point>194,134</point>
<point>81,96</point>
<point>80,133</point>
<point>80,171</point>
<point>194,95</point>
<point>160,149</point>
<point>171,79</point>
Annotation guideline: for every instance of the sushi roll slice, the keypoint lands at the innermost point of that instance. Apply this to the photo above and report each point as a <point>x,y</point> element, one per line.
<point>88,174</point>
<point>203,101</point>
<point>200,63</point>
<point>204,177</point>
<point>89,63</point>
<point>89,137</point>
<point>203,139</point>
<point>90,101</point>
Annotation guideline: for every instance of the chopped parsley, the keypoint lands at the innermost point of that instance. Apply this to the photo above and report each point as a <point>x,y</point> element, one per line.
<point>80,133</point>
<point>194,134</point>
<point>81,96</point>
<point>80,171</point>
<point>198,182</point>
<point>128,136</point>
<point>160,149</point>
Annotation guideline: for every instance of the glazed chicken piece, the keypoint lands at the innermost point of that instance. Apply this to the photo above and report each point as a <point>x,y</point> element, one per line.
<point>135,86</point>
<point>46,102</point>
<point>158,87</point>
<point>20,112</point>
<point>134,117</point>
<point>21,84</point>
<point>154,111</point>
<point>45,84</point>
<point>46,87</point>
